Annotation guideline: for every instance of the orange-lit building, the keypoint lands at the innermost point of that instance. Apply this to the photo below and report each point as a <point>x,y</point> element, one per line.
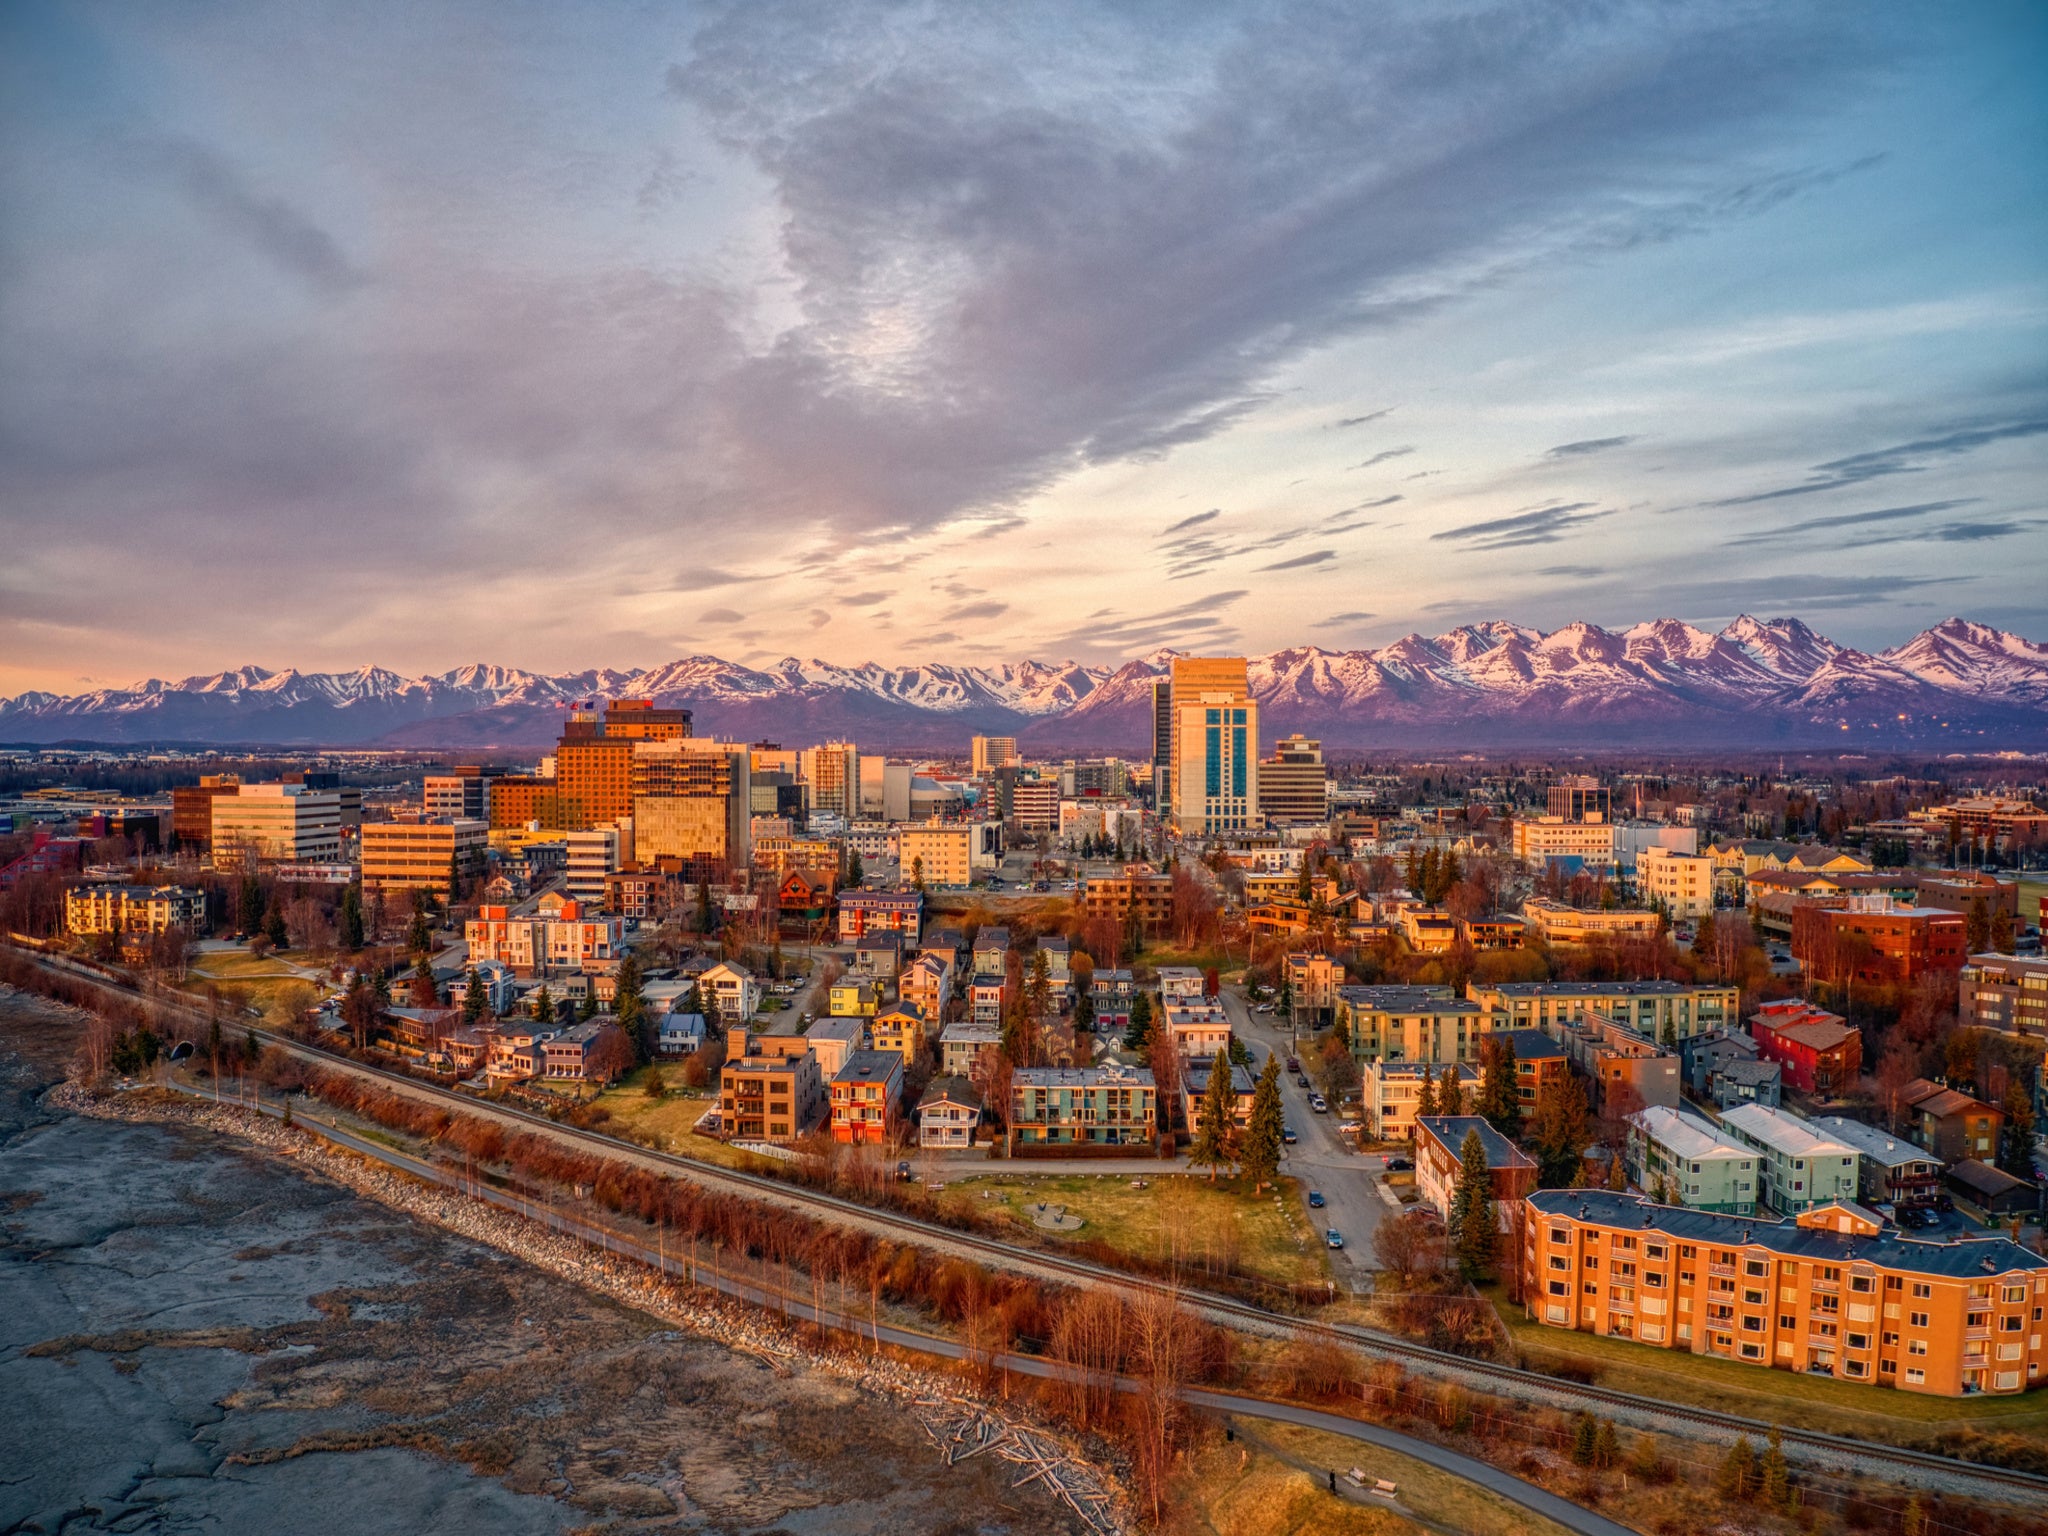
<point>864,1097</point>
<point>1114,896</point>
<point>1875,939</point>
<point>1828,1293</point>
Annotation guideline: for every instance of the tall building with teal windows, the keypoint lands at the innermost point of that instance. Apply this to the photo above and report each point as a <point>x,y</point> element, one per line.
<point>1215,780</point>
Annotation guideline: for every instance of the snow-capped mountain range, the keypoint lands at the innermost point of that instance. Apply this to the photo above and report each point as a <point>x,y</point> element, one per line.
<point>1664,684</point>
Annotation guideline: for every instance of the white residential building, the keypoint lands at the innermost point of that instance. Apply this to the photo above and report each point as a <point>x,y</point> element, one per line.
<point>1390,1092</point>
<point>1801,1167</point>
<point>736,990</point>
<point>1684,882</point>
<point>1695,1164</point>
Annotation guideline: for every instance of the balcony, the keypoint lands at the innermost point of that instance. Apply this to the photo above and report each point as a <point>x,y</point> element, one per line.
<point>1721,1269</point>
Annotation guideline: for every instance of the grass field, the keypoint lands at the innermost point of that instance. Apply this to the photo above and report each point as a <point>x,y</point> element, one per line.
<point>274,986</point>
<point>1816,1402</point>
<point>1271,1482</point>
<point>1177,1213</point>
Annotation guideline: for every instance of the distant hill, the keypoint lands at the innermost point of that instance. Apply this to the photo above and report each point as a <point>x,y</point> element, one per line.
<point>1662,684</point>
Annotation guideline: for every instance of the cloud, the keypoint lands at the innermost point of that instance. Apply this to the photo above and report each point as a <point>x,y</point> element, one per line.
<point>984,610</point>
<point>1590,445</point>
<point>1575,572</point>
<point>1382,457</point>
<point>1336,619</point>
<point>1906,458</point>
<point>1544,525</point>
<point>267,224</point>
<point>722,616</point>
<point>819,618</point>
<point>1367,506</point>
<point>1191,522</point>
<point>704,577</point>
<point>1973,533</point>
<point>1848,520</point>
<point>1358,421</point>
<point>1320,557</point>
<point>863,599</point>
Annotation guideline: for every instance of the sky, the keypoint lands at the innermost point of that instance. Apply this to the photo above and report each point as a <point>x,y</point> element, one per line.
<point>559,336</point>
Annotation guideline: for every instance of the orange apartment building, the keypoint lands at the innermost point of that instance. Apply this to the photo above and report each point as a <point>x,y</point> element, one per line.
<point>1828,1292</point>
<point>770,1088</point>
<point>1114,896</point>
<point>1873,938</point>
<point>865,1093</point>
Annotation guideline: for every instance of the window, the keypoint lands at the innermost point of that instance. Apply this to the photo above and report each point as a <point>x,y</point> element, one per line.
<point>2011,1324</point>
<point>1892,1282</point>
<point>1560,1234</point>
<point>1653,1250</point>
<point>1559,1288</point>
<point>1889,1339</point>
<point>1559,1261</point>
<point>1862,1283</point>
<point>1916,1347</point>
<point>1914,1375</point>
<point>1787,1322</point>
<point>1756,1267</point>
<point>1921,1290</point>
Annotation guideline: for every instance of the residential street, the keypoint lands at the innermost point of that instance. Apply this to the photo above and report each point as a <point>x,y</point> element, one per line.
<point>1320,1158</point>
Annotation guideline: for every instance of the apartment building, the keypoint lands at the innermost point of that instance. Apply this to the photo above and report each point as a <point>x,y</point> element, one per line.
<point>1545,839</point>
<point>1826,1292</point>
<point>1035,804</point>
<point>1683,882</point>
<point>1554,922</point>
<point>770,1088</point>
<point>1875,939</point>
<point>1199,1026</point>
<point>989,752</point>
<point>864,912</point>
<point>283,823</point>
<point>1409,1024</point>
<point>1116,896</point>
<point>1542,1066</point>
<point>1622,1066</point>
<point>1215,747</point>
<point>1312,981</point>
<point>594,855</point>
<point>1654,1009</point>
<point>1802,1168</point>
<point>865,1093</point>
<point>565,939</point>
<point>831,777</point>
<point>1819,1052</point>
<point>1439,1159</point>
<point>1106,1106</point>
<point>1890,1170</point>
<point>833,1041</point>
<point>1391,1091</point>
<point>1294,783</point>
<point>961,1045</point>
<point>950,853</point>
<point>948,1111</point>
<point>2005,993</point>
<point>96,909</point>
<point>422,855</point>
<point>1683,1159</point>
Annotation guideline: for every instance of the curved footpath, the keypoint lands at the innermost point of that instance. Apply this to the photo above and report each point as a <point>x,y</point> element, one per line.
<point>1482,1474</point>
<point>1840,1452</point>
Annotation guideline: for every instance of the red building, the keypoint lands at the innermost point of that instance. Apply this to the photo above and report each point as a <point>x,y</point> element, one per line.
<point>1872,938</point>
<point>1819,1052</point>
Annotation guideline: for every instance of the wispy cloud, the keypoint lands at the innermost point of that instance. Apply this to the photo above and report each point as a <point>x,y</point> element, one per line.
<point>1299,562</point>
<point>1336,619</point>
<point>1906,458</point>
<point>1573,572</point>
<point>1543,525</point>
<point>1587,447</point>
<point>1382,456</point>
<point>1847,520</point>
<point>1359,421</point>
<point>1186,523</point>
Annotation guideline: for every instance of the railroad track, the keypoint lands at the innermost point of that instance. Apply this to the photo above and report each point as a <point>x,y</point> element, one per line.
<point>1507,1380</point>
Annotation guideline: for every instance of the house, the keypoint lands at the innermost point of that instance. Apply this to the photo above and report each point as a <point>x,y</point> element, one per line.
<point>770,1088</point>
<point>1810,1294</point>
<point>1311,982</point>
<point>1722,1066</point>
<point>566,1057</point>
<point>1492,932</point>
<point>1429,932</point>
<point>678,1034</point>
<point>1110,993</point>
<point>988,997</point>
<point>864,1098</point>
<point>1821,1052</point>
<point>1061,1108</point>
<point>734,989</point>
<point>991,950</point>
<point>865,912</point>
<point>1951,1124</point>
<point>515,1055</point>
<point>494,980</point>
<point>852,997</point>
<point>1199,1026</point>
<point>1180,983</point>
<point>927,982</point>
<point>1194,1092</point>
<point>1802,1167</point>
<point>1681,1159</point>
<point>878,956</point>
<point>832,1040</point>
<point>1439,1156</point>
<point>803,898</point>
<point>1541,1067</point>
<point>899,1028</point>
<point>1059,958</point>
<point>1390,1091</point>
<point>1746,1082</point>
<point>1991,1194</point>
<point>948,1111</point>
<point>1890,1169</point>
<point>961,1045</point>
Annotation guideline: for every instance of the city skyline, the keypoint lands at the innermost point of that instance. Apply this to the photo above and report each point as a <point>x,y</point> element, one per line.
<point>889,335</point>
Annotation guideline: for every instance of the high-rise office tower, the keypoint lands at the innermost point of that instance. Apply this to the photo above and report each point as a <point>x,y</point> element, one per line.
<point>1579,797</point>
<point>993,752</point>
<point>1215,757</point>
<point>1294,784</point>
<point>1162,747</point>
<point>692,800</point>
<point>832,778</point>
<point>594,758</point>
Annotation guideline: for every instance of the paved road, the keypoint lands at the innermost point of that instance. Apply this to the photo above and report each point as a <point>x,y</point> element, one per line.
<point>1320,1158</point>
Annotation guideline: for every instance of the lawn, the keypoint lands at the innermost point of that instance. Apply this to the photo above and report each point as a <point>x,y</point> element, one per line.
<point>1272,1481</point>
<point>1175,1214</point>
<point>247,980</point>
<point>1727,1386</point>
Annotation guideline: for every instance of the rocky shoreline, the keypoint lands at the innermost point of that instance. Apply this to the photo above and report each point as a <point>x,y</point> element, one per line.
<point>696,1311</point>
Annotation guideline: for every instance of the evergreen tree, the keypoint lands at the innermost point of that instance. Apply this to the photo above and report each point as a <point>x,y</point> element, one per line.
<point>249,905</point>
<point>917,874</point>
<point>586,1010</point>
<point>1498,1099</point>
<point>473,1005</point>
<point>1669,1039</point>
<point>1585,1440</point>
<point>1606,1447</point>
<point>251,1047</point>
<point>705,917</point>
<point>1450,1097</point>
<point>1977,927</point>
<point>1425,1100</point>
<point>630,1008</point>
<point>543,1006</point>
<point>419,938</point>
<point>1084,1009</point>
<point>854,873</point>
<point>1217,1134</point>
<point>1644,1460</point>
<point>1473,1230</point>
<point>1138,1034</point>
<point>274,928</point>
<point>1286,1003</point>
<point>351,926</point>
<point>2001,936</point>
<point>1559,1134</point>
<point>1738,1476</point>
<point>1038,986</point>
<point>454,878</point>
<point>1260,1156</point>
<point>1776,1476</point>
<point>2016,1137</point>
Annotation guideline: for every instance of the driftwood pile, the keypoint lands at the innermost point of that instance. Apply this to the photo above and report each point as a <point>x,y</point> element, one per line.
<point>962,1429</point>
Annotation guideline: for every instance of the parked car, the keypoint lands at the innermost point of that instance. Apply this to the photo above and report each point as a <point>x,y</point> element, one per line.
<point>1315,1200</point>
<point>903,1173</point>
<point>1294,1065</point>
<point>1287,1135</point>
<point>1319,1104</point>
<point>1399,1165</point>
<point>1334,1238</point>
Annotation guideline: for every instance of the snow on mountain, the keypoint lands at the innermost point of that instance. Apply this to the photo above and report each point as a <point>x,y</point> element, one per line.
<point>1658,682</point>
